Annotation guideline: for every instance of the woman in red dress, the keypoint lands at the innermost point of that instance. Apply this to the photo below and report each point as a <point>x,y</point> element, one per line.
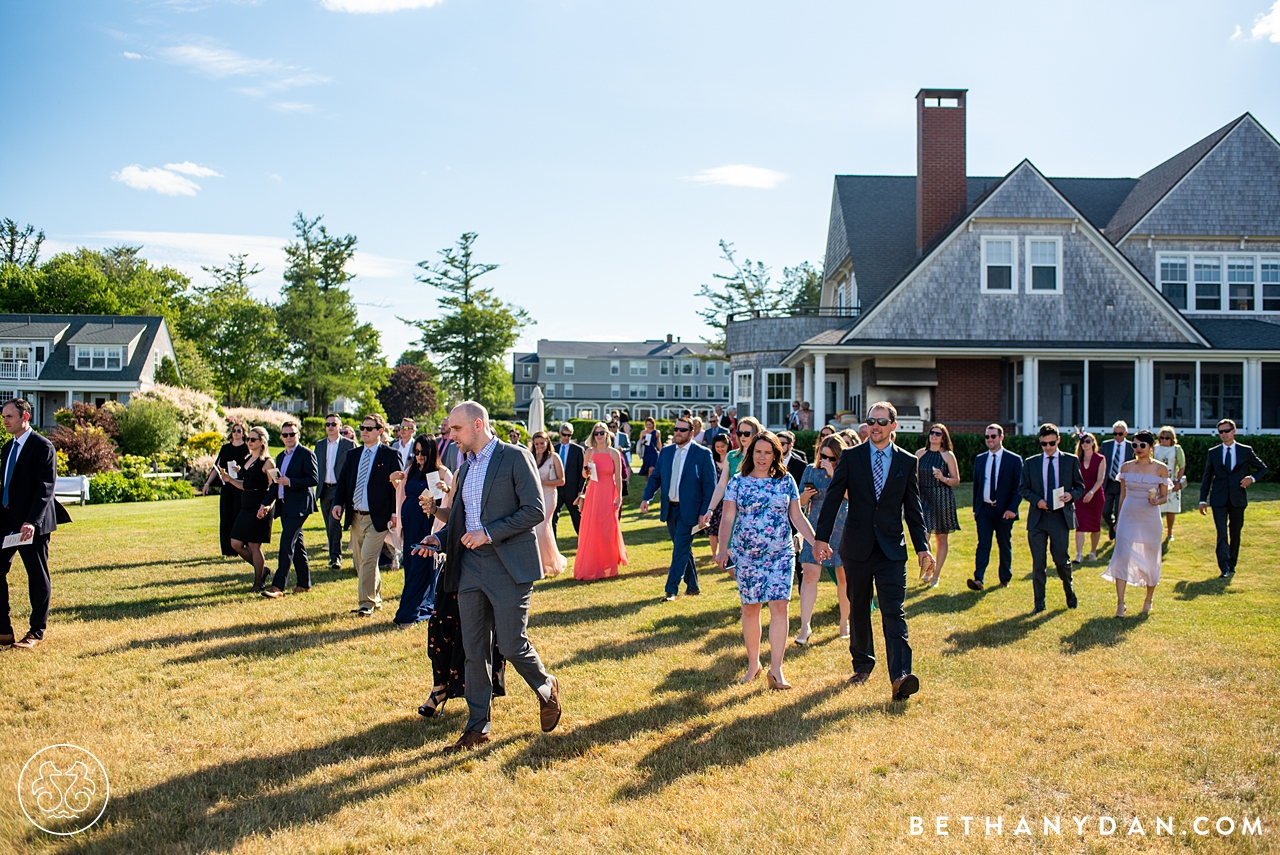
<point>600,546</point>
<point>1093,470</point>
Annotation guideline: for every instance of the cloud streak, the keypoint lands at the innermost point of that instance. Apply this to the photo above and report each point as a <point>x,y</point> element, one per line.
<point>160,180</point>
<point>741,175</point>
<point>189,168</point>
<point>1267,25</point>
<point>371,7</point>
<point>263,76</point>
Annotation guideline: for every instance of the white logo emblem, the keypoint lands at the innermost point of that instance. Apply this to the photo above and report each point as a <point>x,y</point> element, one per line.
<point>63,789</point>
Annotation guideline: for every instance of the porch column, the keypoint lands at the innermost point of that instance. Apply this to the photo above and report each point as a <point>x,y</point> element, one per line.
<point>1253,394</point>
<point>1143,397</point>
<point>1030,394</point>
<point>808,382</point>
<point>819,399</point>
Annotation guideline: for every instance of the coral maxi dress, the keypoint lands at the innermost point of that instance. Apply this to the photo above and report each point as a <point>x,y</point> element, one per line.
<point>600,546</point>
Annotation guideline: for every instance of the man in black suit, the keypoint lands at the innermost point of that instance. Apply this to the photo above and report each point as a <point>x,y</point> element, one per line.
<point>30,467</point>
<point>571,455</point>
<point>792,458</point>
<point>1228,470</point>
<point>330,454</point>
<point>880,481</point>
<point>1042,474</point>
<point>365,487</point>
<point>1116,452</point>
<point>997,477</point>
<point>294,501</point>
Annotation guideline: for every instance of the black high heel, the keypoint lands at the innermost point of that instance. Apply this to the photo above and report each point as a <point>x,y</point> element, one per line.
<point>435,703</point>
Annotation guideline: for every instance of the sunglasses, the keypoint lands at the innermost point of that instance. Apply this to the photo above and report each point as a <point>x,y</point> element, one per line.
<point>252,439</point>
<point>419,453</point>
<point>601,433</point>
<point>567,435</point>
<point>289,435</point>
<point>745,434</point>
<point>1226,430</point>
<point>1118,432</point>
<point>1048,443</point>
<point>883,422</point>
<point>935,433</point>
<point>369,428</point>
<point>332,424</point>
<point>784,442</point>
<point>1086,442</point>
<point>830,457</point>
<point>680,430</point>
<point>992,436</point>
<point>1140,444</point>
<point>236,430</point>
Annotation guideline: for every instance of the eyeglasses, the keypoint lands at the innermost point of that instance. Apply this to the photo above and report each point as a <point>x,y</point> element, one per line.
<point>597,433</point>
<point>784,441</point>
<point>252,439</point>
<point>881,421</point>
<point>289,435</point>
<point>1118,432</point>
<point>1140,444</point>
<point>935,433</point>
<point>419,453</point>
<point>832,458</point>
<point>370,428</point>
<point>1226,430</point>
<point>992,436</point>
<point>332,424</point>
<point>1086,441</point>
<point>566,434</point>
<point>681,430</point>
<point>1048,443</point>
<point>745,434</point>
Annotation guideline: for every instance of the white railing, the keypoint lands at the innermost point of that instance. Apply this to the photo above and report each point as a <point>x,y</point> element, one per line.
<point>16,369</point>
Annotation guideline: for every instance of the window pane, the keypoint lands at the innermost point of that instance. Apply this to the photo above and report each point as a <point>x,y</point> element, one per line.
<point>1110,392</point>
<point>999,278</point>
<point>568,366</point>
<point>1062,393</point>
<point>1208,273</point>
<point>1044,279</point>
<point>1000,252</point>
<point>1209,297</point>
<point>1240,298</point>
<point>1221,391</point>
<point>1044,252</point>
<point>1173,269</point>
<point>1271,395</point>
<point>1175,389</point>
<point>1177,293</point>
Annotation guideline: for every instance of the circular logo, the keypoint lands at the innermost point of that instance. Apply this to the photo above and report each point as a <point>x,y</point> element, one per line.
<point>63,789</point>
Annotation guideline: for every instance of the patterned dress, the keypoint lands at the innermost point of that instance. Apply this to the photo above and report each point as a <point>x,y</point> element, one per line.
<point>938,499</point>
<point>820,479</point>
<point>761,543</point>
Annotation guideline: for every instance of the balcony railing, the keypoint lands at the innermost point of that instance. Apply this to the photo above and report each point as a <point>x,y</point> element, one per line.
<point>800,312</point>
<point>15,369</point>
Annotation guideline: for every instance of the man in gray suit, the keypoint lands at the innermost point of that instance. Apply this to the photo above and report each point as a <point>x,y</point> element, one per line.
<point>492,562</point>
<point>1042,475</point>
<point>331,452</point>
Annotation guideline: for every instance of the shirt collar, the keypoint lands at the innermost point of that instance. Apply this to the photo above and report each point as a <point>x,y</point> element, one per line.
<point>485,453</point>
<point>21,440</point>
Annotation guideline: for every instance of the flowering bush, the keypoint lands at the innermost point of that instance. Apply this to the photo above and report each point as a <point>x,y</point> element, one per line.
<point>252,417</point>
<point>199,468</point>
<point>206,442</point>
<point>197,412</point>
<point>149,426</point>
<point>133,465</point>
<point>87,414</point>
<point>87,448</point>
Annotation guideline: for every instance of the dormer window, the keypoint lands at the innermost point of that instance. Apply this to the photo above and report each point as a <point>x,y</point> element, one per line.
<point>98,358</point>
<point>997,265</point>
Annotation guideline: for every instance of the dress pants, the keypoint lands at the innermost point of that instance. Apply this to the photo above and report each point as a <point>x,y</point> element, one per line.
<point>1228,520</point>
<point>988,520</point>
<point>35,558</point>
<point>575,515</point>
<point>1111,505</point>
<point>332,527</point>
<point>1050,530</point>
<point>491,604</point>
<point>890,579</point>
<point>682,565</point>
<point>292,552</point>
<point>366,546</point>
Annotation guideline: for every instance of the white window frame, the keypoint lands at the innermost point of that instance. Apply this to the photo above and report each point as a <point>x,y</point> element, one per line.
<point>711,369</point>
<point>525,392</point>
<point>662,392</point>
<point>615,391</point>
<point>664,368</point>
<point>738,400</point>
<point>105,353</point>
<point>688,391</point>
<point>1227,283</point>
<point>1013,263</point>
<point>550,390</point>
<point>615,367</point>
<point>791,386</point>
<point>549,367</point>
<point>1225,259</point>
<point>638,390</point>
<point>1057,265</point>
<point>528,370</point>
<point>568,390</point>
<point>1188,284</point>
<point>639,369</point>
<point>568,367</point>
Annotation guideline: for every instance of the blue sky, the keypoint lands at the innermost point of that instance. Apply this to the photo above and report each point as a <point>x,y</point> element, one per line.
<point>596,147</point>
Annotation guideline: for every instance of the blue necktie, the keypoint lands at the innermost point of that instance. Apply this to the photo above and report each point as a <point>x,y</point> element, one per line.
<point>1050,483</point>
<point>8,470</point>
<point>362,477</point>
<point>564,453</point>
<point>877,471</point>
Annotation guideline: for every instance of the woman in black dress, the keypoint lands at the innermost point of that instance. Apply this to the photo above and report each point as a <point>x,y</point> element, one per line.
<point>418,599</point>
<point>939,474</point>
<point>237,451</point>
<point>253,524</point>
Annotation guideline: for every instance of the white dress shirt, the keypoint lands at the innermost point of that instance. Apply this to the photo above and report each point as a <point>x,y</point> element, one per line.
<point>677,467</point>
<point>330,458</point>
<point>993,473</point>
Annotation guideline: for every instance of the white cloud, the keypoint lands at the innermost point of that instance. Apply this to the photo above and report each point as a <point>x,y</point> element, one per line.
<point>742,175</point>
<point>1236,35</point>
<point>131,55</point>
<point>375,6</point>
<point>219,62</point>
<point>1267,25</point>
<point>189,168</point>
<point>293,107</point>
<point>160,180</point>
<point>276,178</point>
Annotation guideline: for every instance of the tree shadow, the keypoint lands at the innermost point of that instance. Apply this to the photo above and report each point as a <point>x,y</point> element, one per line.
<point>1214,587</point>
<point>136,565</point>
<point>149,606</point>
<point>197,636</point>
<point>274,645</point>
<point>998,634</point>
<point>946,604</point>
<point>216,808</point>
<point>586,614</point>
<point>665,633</point>
<point>194,580</point>
<point>1099,632</point>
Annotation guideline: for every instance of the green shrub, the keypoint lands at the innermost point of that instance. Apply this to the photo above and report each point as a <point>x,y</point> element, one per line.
<point>133,465</point>
<point>312,430</point>
<point>205,442</point>
<point>64,466</point>
<point>149,426</point>
<point>502,428</point>
<point>112,487</point>
<point>172,488</point>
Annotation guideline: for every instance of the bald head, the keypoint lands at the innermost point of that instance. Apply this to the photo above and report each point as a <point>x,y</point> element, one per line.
<point>469,426</point>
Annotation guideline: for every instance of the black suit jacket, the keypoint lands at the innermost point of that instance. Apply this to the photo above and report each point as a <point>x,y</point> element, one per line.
<point>1005,492</point>
<point>568,491</point>
<point>1032,487</point>
<point>796,466</point>
<point>872,521</point>
<point>299,498</point>
<point>1108,450</point>
<point>1220,487</point>
<point>31,486</point>
<point>321,452</point>
<point>382,494</point>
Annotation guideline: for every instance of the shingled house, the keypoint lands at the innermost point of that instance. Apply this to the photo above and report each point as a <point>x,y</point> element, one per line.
<point>1026,299</point>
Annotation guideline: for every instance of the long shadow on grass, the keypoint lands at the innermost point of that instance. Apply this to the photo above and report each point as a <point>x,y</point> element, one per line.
<point>1099,632</point>
<point>275,645</point>
<point>1215,587</point>
<point>216,808</point>
<point>945,604</point>
<point>134,565</point>
<point>197,636</point>
<point>666,633</point>
<point>149,606</point>
<point>586,614</point>
<point>1007,631</point>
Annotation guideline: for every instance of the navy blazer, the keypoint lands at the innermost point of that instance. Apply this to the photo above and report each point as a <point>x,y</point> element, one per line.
<point>873,521</point>
<point>1008,482</point>
<point>382,493</point>
<point>1221,487</point>
<point>299,498</point>
<point>697,481</point>
<point>1032,487</point>
<point>31,486</point>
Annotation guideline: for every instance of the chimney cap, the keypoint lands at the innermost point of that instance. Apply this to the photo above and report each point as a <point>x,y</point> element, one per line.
<point>941,93</point>
<point>668,338</point>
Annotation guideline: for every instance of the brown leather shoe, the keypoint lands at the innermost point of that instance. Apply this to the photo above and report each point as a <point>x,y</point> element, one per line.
<point>300,590</point>
<point>28,641</point>
<point>859,678</point>
<point>273,592</point>
<point>469,741</point>
<point>905,687</point>
<point>551,710</point>
<point>6,638</point>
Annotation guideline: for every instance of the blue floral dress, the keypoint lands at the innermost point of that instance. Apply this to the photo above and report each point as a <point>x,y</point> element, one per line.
<point>761,547</point>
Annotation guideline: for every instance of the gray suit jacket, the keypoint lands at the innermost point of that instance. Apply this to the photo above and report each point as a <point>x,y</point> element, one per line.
<point>510,506</point>
<point>321,450</point>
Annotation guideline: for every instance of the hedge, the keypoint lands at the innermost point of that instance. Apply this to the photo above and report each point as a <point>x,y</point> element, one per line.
<point>113,487</point>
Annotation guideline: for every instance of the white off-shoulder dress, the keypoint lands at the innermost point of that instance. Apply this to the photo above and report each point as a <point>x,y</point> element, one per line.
<point>1136,557</point>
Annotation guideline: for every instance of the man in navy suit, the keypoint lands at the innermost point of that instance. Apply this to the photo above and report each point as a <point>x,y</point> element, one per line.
<point>365,487</point>
<point>29,471</point>
<point>879,479</point>
<point>1228,469</point>
<point>1047,527</point>
<point>685,477</point>
<point>997,475</point>
<point>294,501</point>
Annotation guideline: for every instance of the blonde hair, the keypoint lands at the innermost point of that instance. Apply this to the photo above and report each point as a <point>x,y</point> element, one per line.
<point>264,452</point>
<point>591,437</point>
<point>1169,430</point>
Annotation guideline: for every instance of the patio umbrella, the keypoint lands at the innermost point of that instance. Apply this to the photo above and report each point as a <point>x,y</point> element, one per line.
<point>536,422</point>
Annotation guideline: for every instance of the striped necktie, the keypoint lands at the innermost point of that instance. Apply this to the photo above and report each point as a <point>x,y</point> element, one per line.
<point>362,477</point>
<point>877,471</point>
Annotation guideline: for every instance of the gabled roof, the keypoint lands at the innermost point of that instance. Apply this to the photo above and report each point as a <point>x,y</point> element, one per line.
<point>1156,183</point>
<point>59,367</point>
<point>112,333</point>
<point>1239,333</point>
<point>26,329</point>
<point>652,349</point>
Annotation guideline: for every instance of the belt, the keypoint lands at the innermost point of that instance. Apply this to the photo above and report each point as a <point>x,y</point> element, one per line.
<point>671,504</point>
<point>360,513</point>
<point>992,504</point>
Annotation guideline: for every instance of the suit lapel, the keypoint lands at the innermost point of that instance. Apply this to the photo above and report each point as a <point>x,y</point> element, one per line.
<point>489,470</point>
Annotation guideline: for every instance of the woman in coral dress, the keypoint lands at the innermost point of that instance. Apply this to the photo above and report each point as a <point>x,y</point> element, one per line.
<point>600,546</point>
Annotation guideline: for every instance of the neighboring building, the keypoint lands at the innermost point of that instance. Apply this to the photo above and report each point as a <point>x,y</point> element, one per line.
<point>589,379</point>
<point>53,360</point>
<point>1026,299</point>
<point>340,404</point>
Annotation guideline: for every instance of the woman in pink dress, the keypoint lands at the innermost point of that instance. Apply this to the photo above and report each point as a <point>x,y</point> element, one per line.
<point>1093,469</point>
<point>600,546</point>
<point>1144,487</point>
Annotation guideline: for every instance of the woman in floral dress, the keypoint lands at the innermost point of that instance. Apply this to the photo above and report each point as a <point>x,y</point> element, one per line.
<point>764,495</point>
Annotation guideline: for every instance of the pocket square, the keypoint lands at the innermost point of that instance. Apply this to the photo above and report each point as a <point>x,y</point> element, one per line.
<point>898,474</point>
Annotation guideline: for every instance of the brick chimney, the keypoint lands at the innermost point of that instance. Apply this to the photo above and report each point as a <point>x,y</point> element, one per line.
<point>941,180</point>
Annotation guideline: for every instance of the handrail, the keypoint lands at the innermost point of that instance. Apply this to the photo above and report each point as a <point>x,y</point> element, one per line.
<point>796,312</point>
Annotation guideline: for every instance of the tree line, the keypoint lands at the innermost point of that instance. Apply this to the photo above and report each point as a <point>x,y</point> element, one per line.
<point>308,344</point>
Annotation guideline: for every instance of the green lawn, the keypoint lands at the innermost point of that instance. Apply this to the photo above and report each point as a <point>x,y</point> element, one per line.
<point>229,722</point>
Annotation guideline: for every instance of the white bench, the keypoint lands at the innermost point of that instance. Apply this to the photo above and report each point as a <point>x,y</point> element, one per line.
<point>72,488</point>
